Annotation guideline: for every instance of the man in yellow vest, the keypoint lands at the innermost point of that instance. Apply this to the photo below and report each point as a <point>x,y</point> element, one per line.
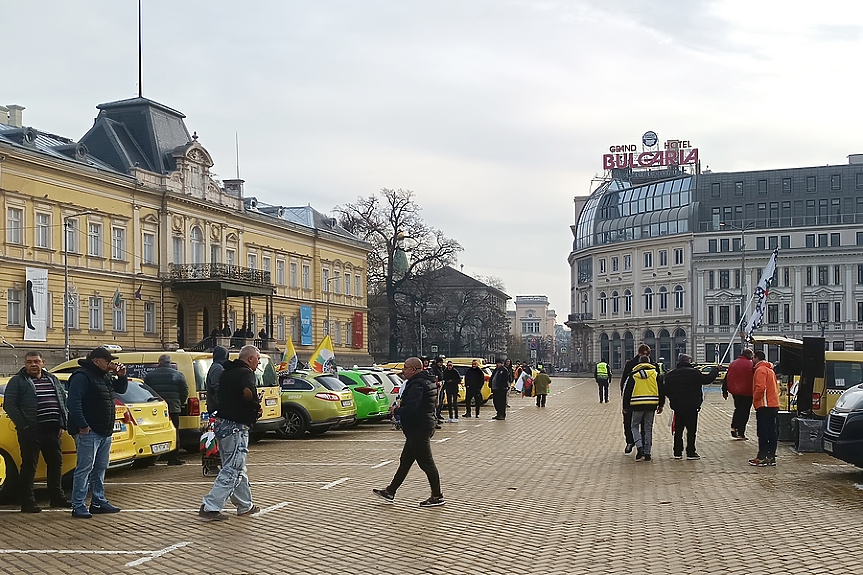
<point>602,375</point>
<point>643,397</point>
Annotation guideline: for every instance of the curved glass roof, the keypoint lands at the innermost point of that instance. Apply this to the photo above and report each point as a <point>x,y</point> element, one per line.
<point>616,211</point>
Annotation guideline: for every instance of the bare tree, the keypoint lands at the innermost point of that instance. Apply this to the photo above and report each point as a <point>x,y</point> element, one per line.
<point>404,246</point>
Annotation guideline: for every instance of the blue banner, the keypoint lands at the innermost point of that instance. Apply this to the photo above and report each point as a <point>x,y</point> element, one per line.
<point>305,325</point>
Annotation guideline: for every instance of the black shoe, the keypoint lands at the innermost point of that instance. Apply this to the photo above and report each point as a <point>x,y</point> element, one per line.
<point>433,501</point>
<point>693,456</point>
<point>61,504</point>
<point>176,462</point>
<point>81,514</point>
<point>678,456</point>
<point>629,447</point>
<point>466,415</point>
<point>211,515</point>
<point>30,508</point>
<point>771,461</point>
<point>103,508</point>
<point>647,457</point>
<point>437,426</point>
<point>384,494</point>
<point>639,455</point>
<point>250,511</point>
<point>734,433</point>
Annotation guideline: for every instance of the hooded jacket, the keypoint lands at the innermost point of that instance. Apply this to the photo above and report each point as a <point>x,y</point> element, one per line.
<point>91,398</point>
<point>683,386</point>
<point>451,379</point>
<point>765,388</point>
<point>220,356</point>
<point>20,400</point>
<point>233,403</point>
<point>169,384</point>
<point>417,407</point>
<point>738,380</point>
<point>644,394</point>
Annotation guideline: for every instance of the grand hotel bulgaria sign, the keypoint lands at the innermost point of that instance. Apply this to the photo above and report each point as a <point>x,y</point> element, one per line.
<point>676,153</point>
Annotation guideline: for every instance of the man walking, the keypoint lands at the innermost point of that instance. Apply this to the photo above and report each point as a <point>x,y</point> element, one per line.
<point>92,390</point>
<point>602,374</point>
<point>738,382</point>
<point>499,382</point>
<point>416,411</point>
<point>683,388</point>
<point>643,351</point>
<point>451,379</point>
<point>170,384</point>
<point>36,403</point>
<point>239,409</point>
<point>644,396</point>
<point>765,398</point>
<point>474,379</point>
<point>541,384</point>
<point>436,370</point>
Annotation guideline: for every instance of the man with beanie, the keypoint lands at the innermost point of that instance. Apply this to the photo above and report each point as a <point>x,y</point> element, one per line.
<point>92,390</point>
<point>683,388</point>
<point>474,379</point>
<point>220,356</point>
<point>170,384</point>
<point>765,399</point>
<point>738,382</point>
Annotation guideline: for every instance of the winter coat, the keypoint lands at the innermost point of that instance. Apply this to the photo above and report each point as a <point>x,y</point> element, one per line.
<point>233,403</point>
<point>541,383</point>
<point>644,394</point>
<point>220,355</point>
<point>474,378</point>
<point>416,410</point>
<point>170,385</point>
<point>451,379</point>
<point>499,378</point>
<point>91,398</point>
<point>738,379</point>
<point>683,386</point>
<point>20,400</point>
<point>765,388</point>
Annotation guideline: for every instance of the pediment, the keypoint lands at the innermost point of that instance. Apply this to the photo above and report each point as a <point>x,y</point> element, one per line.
<point>150,219</point>
<point>193,152</point>
<point>726,295</point>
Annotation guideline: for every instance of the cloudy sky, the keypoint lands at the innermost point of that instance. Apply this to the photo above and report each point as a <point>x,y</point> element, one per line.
<point>495,112</point>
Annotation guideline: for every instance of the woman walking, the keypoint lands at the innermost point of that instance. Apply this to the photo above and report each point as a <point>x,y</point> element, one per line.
<point>541,384</point>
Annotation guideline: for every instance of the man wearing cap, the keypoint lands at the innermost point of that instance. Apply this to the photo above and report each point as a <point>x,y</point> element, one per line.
<point>170,384</point>
<point>683,389</point>
<point>92,390</point>
<point>499,383</point>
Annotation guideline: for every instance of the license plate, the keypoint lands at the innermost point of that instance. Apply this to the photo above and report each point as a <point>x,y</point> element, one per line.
<point>828,446</point>
<point>347,403</point>
<point>270,401</point>
<point>381,396</point>
<point>160,447</point>
<point>119,426</point>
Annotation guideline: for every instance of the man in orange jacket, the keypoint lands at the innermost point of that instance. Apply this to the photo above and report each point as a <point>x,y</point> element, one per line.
<point>765,398</point>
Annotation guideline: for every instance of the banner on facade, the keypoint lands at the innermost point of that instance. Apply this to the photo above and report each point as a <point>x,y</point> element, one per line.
<point>36,305</point>
<point>357,326</point>
<point>305,325</point>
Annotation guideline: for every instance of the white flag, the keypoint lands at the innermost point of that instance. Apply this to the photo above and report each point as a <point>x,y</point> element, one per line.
<point>761,292</point>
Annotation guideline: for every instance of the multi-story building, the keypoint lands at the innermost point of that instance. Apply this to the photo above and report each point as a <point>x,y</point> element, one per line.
<point>672,260</point>
<point>534,323</point>
<point>158,253</point>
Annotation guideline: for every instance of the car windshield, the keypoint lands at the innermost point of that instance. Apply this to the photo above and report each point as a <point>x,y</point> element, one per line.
<point>202,366</point>
<point>394,378</point>
<point>331,383</point>
<point>138,393</point>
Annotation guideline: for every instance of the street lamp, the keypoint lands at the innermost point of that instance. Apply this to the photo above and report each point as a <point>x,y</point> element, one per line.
<point>66,297</point>
<point>327,289</point>
<point>742,230</point>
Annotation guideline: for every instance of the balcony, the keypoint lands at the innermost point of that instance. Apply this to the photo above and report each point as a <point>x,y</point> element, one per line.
<point>579,317</point>
<point>224,277</point>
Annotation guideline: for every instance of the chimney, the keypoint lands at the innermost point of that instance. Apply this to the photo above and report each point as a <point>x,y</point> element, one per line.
<point>15,115</point>
<point>234,187</point>
<point>4,115</point>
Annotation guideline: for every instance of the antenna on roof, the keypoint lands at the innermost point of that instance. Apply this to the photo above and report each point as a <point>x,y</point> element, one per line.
<point>140,73</point>
<point>237,147</point>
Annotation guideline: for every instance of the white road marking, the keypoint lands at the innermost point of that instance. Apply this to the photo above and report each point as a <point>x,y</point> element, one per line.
<point>479,425</point>
<point>266,510</point>
<point>121,511</point>
<point>156,554</point>
<point>444,439</point>
<point>303,463</point>
<point>148,555</point>
<point>336,482</point>
<point>462,431</point>
<point>210,483</point>
<point>382,463</point>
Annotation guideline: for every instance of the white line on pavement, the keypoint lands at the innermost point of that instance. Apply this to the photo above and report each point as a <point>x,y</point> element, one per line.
<point>148,555</point>
<point>266,510</point>
<point>210,483</point>
<point>444,439</point>
<point>156,554</point>
<point>382,463</point>
<point>293,463</point>
<point>121,511</point>
<point>462,431</point>
<point>479,425</point>
<point>336,482</point>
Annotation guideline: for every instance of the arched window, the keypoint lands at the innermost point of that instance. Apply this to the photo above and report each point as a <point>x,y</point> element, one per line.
<point>627,301</point>
<point>663,298</point>
<point>628,345</point>
<point>665,347</point>
<point>585,304</point>
<point>197,238</point>
<point>603,303</point>
<point>678,298</point>
<point>616,351</point>
<point>650,340</point>
<point>648,299</point>
<point>615,302</point>
<point>679,341</point>
<point>604,348</point>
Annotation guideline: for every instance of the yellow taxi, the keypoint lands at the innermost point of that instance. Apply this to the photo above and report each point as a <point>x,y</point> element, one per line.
<point>461,364</point>
<point>269,394</point>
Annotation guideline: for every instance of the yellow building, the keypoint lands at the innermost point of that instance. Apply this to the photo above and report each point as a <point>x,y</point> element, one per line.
<point>160,255</point>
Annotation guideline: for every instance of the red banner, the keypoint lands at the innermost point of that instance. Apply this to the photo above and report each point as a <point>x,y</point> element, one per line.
<point>358,330</point>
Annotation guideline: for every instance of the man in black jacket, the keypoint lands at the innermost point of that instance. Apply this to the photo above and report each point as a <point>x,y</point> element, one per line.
<point>92,390</point>
<point>499,383</point>
<point>643,351</point>
<point>451,379</point>
<point>36,403</point>
<point>170,384</point>
<point>474,378</point>
<point>220,356</point>
<point>416,411</point>
<point>239,408</point>
<point>683,388</point>
<point>436,369</point>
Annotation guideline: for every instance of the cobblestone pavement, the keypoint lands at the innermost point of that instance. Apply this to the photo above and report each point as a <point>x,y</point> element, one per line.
<point>546,491</point>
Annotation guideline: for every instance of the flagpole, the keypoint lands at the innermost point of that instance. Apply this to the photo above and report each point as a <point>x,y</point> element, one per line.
<point>740,328</point>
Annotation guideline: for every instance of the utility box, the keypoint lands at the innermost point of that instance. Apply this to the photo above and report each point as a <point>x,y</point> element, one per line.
<point>808,436</point>
<point>786,428</point>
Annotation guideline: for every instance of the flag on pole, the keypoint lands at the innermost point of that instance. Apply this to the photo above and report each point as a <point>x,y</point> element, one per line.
<point>117,299</point>
<point>138,292</point>
<point>289,359</point>
<point>762,290</point>
<point>324,358</point>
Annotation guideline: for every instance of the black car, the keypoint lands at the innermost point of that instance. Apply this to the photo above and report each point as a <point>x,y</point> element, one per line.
<point>843,431</point>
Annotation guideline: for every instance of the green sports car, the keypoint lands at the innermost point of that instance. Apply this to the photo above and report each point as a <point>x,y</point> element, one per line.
<point>369,394</point>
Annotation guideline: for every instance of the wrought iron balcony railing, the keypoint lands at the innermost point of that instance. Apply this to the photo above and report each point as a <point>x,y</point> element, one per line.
<point>220,272</point>
<point>577,317</point>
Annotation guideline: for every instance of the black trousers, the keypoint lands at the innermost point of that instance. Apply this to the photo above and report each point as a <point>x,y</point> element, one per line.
<point>767,420</point>
<point>627,427</point>
<point>174,455</point>
<point>417,448</point>
<point>603,390</point>
<point>44,440</point>
<point>685,419</point>
<point>476,396</point>
<point>540,400</point>
<point>440,395</point>
<point>499,400</point>
<point>452,403</point>
<point>742,407</point>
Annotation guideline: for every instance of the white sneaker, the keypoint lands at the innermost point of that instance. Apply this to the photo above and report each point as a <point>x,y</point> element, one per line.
<point>450,420</point>
<point>455,420</point>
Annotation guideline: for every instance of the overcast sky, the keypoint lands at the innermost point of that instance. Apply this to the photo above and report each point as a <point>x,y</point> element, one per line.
<point>495,112</point>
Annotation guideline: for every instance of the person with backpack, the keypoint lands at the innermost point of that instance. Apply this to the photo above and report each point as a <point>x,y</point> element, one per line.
<point>643,397</point>
<point>602,375</point>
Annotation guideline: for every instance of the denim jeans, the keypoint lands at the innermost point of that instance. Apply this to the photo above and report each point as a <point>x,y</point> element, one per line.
<point>643,437</point>
<point>94,451</point>
<point>232,481</point>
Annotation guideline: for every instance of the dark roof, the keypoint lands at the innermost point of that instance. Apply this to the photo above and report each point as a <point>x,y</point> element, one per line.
<point>448,277</point>
<point>137,132</point>
<point>51,145</point>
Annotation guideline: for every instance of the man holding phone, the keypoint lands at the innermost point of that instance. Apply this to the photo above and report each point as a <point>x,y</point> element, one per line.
<point>91,422</point>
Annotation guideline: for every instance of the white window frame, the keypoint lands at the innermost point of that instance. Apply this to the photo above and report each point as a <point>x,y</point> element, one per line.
<point>118,243</point>
<point>149,317</point>
<point>119,316</point>
<point>72,311</point>
<point>197,242</point>
<point>179,250</point>
<point>325,280</point>
<point>293,274</point>
<point>43,230</point>
<point>94,239</point>
<point>357,283</point>
<point>349,333</point>
<point>280,272</point>
<point>148,248</point>
<point>347,284</point>
<point>337,336</point>
<point>307,276</point>
<point>280,327</point>
<point>13,307</point>
<point>337,282</point>
<point>96,313</point>
<point>252,261</point>
<point>230,257</point>
<point>71,231</point>
<point>215,253</point>
<point>14,226</point>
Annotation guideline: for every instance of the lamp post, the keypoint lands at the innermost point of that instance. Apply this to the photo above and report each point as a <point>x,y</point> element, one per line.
<point>742,230</point>
<point>66,297</point>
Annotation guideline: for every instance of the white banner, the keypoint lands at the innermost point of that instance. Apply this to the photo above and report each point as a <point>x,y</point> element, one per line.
<point>36,305</point>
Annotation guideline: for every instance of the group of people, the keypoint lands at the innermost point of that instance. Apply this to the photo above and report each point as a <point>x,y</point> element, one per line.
<point>645,386</point>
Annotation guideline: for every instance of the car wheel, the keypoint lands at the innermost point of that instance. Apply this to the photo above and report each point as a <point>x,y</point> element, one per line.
<point>295,425</point>
<point>8,477</point>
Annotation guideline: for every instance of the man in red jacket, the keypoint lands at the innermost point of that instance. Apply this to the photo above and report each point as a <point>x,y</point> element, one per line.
<point>738,382</point>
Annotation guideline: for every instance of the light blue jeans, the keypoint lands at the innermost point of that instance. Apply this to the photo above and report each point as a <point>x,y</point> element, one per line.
<point>233,480</point>
<point>94,451</point>
<point>643,420</point>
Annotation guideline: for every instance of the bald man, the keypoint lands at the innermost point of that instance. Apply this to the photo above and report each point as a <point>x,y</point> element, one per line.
<point>417,413</point>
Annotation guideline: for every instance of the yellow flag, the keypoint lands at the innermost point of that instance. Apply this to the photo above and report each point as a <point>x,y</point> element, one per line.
<point>289,359</point>
<point>324,358</point>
